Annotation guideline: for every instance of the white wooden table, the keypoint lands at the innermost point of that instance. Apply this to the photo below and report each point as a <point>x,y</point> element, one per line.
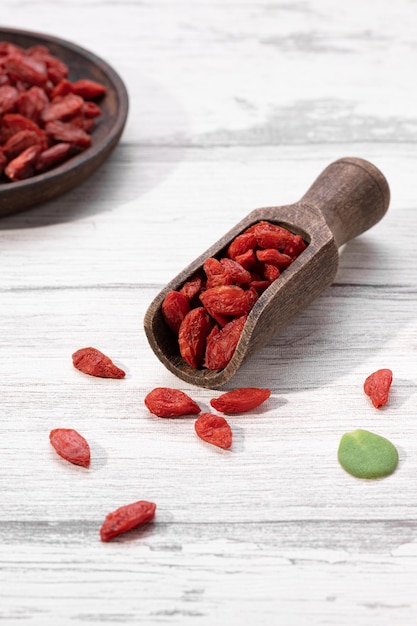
<point>233,105</point>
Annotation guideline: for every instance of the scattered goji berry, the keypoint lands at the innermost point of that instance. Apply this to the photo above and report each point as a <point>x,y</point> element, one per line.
<point>240,400</point>
<point>93,362</point>
<point>71,446</point>
<point>214,429</point>
<point>127,518</point>
<point>167,402</point>
<point>377,386</point>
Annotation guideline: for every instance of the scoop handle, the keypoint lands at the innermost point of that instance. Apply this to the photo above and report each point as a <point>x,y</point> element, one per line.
<point>352,194</point>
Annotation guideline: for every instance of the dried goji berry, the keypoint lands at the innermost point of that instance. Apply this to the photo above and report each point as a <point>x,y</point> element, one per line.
<point>90,109</point>
<point>240,400</point>
<point>93,362</point>
<point>237,273</point>
<point>241,244</point>
<point>168,402</point>
<point>23,166</point>
<point>26,69</point>
<point>72,446</point>
<point>377,386</point>
<point>192,336</point>
<point>274,257</point>
<point>247,259</point>
<point>52,156</point>
<point>221,346</point>
<point>63,88</point>
<point>192,287</point>
<point>88,89</point>
<point>62,108</point>
<point>174,308</point>
<point>67,132</point>
<point>295,247</point>
<point>225,300</point>
<point>271,272</point>
<point>126,518</point>
<point>30,103</point>
<point>214,429</point>
<point>273,238</point>
<point>19,142</point>
<point>8,98</point>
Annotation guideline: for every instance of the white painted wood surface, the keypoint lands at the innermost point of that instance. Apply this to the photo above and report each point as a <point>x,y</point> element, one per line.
<point>233,105</point>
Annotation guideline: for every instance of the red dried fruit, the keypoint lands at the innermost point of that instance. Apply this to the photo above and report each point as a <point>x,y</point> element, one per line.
<point>8,98</point>
<point>62,108</point>
<point>23,166</point>
<point>52,156</point>
<point>225,300</point>
<point>214,429</point>
<point>168,402</point>
<point>174,308</point>
<point>377,386</point>
<point>241,244</point>
<point>67,132</point>
<point>240,400</point>
<point>274,257</point>
<point>192,287</point>
<point>238,275</point>
<point>192,336</point>
<point>30,103</point>
<point>26,69</point>
<point>90,109</point>
<point>63,88</point>
<point>72,446</point>
<point>270,272</point>
<point>19,142</point>
<point>126,518</point>
<point>93,362</point>
<point>88,89</point>
<point>277,239</point>
<point>247,259</point>
<point>221,346</point>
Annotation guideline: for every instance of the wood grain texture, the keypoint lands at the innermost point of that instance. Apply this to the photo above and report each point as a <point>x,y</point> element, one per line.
<point>234,105</point>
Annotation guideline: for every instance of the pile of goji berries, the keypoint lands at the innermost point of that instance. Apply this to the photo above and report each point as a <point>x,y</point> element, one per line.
<point>44,117</point>
<point>208,313</point>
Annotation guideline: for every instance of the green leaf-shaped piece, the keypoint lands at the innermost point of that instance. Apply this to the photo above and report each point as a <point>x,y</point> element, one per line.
<point>367,455</point>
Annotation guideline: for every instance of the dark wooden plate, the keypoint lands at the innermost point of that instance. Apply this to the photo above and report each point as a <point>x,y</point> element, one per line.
<point>17,196</point>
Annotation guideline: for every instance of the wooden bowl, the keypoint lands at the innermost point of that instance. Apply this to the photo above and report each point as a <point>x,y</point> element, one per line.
<point>20,195</point>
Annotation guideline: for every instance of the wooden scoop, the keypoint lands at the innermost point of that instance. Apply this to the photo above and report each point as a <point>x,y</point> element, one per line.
<point>348,197</point>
